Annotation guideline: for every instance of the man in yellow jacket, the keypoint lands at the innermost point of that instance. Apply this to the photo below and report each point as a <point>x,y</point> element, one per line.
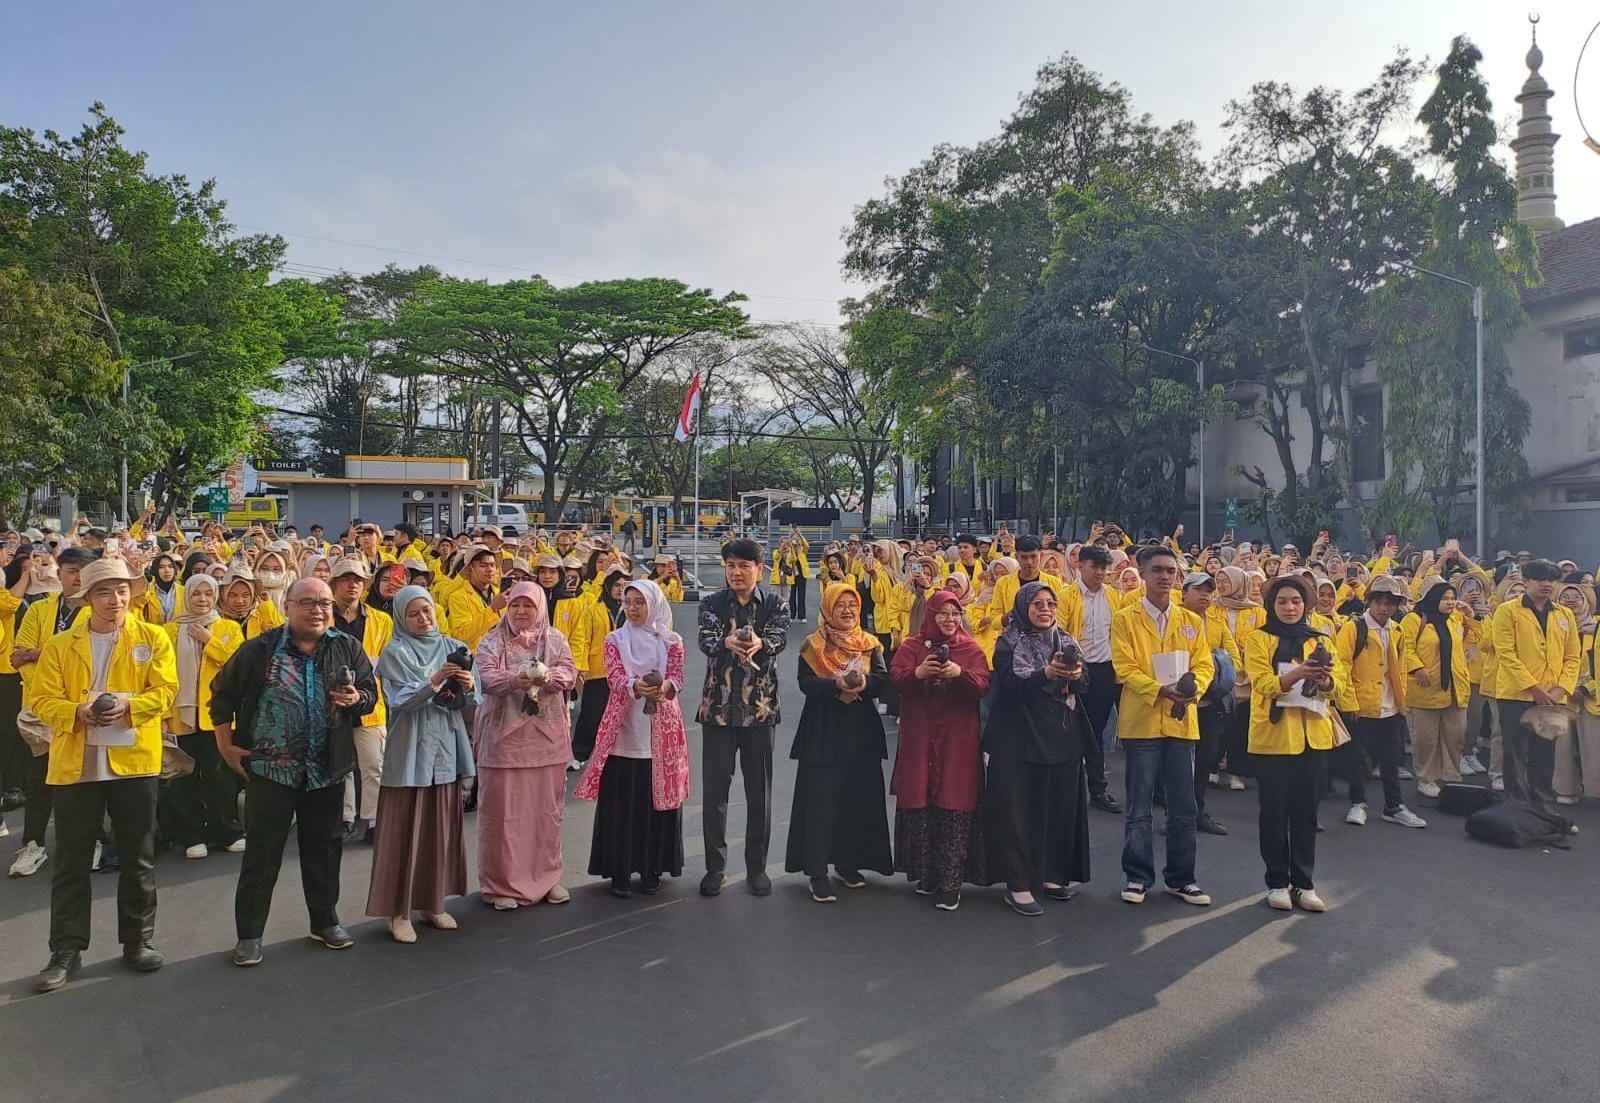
<point>1369,649</point>
<point>103,686</point>
<point>1069,599</point>
<point>1539,655</point>
<point>1156,645</point>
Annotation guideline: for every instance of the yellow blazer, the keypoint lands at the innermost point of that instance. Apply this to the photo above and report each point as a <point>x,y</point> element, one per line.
<point>1296,729</point>
<point>470,616</point>
<point>1419,651</point>
<point>588,641</point>
<point>1529,657</point>
<point>1369,670</point>
<point>1141,713</point>
<point>142,665</point>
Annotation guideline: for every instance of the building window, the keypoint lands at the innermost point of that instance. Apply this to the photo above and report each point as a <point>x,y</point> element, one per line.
<point>1366,439</point>
<point>1582,342</point>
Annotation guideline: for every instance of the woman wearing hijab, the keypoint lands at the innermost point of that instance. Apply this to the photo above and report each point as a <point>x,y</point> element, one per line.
<point>639,774</point>
<point>1433,654</point>
<point>838,816</point>
<point>273,576</point>
<point>163,595</point>
<point>1289,732</point>
<point>317,566</point>
<point>203,804</point>
<point>390,579</point>
<point>420,857</point>
<point>1243,615</point>
<point>941,675</point>
<point>522,748</point>
<point>598,615</point>
<point>1035,806</point>
<point>1570,780</point>
<point>987,619</point>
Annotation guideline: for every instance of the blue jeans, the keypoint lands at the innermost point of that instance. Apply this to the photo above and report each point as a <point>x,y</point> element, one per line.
<point>1171,760</point>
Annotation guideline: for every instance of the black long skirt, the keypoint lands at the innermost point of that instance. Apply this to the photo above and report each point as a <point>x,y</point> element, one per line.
<point>839,819</point>
<point>939,848</point>
<point>1036,823</point>
<point>630,835</point>
<point>591,710</point>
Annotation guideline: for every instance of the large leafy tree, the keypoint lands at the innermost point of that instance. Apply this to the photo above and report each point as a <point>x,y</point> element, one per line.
<point>1425,345</point>
<point>562,359</point>
<point>169,288</point>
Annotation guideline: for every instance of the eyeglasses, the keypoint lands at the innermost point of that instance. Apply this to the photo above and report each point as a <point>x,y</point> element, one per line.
<point>323,604</point>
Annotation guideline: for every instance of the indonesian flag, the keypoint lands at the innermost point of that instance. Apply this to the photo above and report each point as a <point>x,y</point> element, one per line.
<point>691,408</point>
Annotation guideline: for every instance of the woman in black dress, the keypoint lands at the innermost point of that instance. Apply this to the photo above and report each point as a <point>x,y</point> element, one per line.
<point>1036,819</point>
<point>839,818</point>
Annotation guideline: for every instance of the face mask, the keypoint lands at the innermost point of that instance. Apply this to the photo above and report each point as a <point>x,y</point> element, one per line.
<point>271,578</point>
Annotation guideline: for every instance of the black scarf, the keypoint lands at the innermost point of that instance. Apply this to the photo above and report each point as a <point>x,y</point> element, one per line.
<point>1291,637</point>
<point>1428,606</point>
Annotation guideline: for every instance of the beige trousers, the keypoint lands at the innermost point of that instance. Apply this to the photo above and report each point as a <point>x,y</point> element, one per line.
<point>1437,739</point>
<point>1578,760</point>
<point>369,760</point>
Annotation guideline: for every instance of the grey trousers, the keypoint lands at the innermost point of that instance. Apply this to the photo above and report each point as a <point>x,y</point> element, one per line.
<point>752,747</point>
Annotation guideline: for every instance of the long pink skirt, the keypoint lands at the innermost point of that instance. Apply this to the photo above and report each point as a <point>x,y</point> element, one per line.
<point>420,856</point>
<point>519,830</point>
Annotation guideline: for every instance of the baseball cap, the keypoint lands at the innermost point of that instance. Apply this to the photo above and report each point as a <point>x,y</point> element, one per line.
<point>352,565</point>
<point>1198,578</point>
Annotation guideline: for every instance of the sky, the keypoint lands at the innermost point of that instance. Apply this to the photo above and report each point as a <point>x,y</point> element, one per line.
<point>724,144</point>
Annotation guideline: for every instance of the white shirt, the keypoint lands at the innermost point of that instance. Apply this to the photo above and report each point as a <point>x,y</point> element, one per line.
<point>1158,615</point>
<point>1096,639</point>
<point>96,767</point>
<point>633,736</point>
<point>1382,631</point>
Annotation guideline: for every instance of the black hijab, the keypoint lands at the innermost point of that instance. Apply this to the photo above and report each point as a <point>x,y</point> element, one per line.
<point>1428,607</point>
<point>1291,637</point>
<point>193,564</point>
<point>613,605</point>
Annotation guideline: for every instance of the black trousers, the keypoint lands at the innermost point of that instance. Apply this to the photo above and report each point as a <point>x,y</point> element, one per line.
<point>14,753</point>
<point>1213,740</point>
<point>797,599</point>
<point>1529,764</point>
<point>591,710</point>
<point>80,811</point>
<point>1381,740</point>
<point>752,748</point>
<point>270,811</point>
<point>1288,786</point>
<point>203,805</point>
<point>39,797</point>
<point>1099,696</point>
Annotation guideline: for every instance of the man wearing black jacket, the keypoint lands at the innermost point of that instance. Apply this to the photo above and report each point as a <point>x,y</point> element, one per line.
<point>284,709</point>
<point>739,709</point>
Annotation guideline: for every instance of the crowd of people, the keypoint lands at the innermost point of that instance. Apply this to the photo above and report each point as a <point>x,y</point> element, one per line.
<point>160,691</point>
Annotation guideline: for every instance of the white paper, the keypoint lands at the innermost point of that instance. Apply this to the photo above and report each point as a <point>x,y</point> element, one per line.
<point>1170,666</point>
<point>120,734</point>
<point>1296,698</point>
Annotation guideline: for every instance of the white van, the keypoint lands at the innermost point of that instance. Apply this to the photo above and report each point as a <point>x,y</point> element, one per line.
<point>511,518</point>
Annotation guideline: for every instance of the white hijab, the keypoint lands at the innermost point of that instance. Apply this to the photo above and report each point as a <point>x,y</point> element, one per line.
<point>644,648</point>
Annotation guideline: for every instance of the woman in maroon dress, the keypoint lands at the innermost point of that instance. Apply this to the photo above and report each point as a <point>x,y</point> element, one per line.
<point>938,771</point>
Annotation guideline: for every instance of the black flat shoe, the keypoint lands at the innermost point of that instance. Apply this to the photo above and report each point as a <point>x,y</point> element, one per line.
<point>1059,892</point>
<point>621,887</point>
<point>649,885</point>
<point>1032,909</point>
<point>851,879</point>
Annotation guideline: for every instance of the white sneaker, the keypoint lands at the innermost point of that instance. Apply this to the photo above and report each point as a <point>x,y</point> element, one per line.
<point>1236,783</point>
<point>1280,900</point>
<point>1497,783</point>
<point>1405,817</point>
<point>1406,775</point>
<point>198,850</point>
<point>1470,765</point>
<point>1357,816</point>
<point>4,830</point>
<point>237,846</point>
<point>1567,800</point>
<point>1428,789</point>
<point>1212,781</point>
<point>573,765</point>
<point>28,860</point>
<point>1309,900</point>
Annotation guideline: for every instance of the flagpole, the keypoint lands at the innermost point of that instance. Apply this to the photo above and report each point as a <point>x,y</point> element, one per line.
<point>695,520</point>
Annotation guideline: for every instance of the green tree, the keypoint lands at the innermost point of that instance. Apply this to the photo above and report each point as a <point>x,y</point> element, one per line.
<point>560,358</point>
<point>1426,343</point>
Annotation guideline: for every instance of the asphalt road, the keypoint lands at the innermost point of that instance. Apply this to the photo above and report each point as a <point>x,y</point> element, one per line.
<point>1444,970</point>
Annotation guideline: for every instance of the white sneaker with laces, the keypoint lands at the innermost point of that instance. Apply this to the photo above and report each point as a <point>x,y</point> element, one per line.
<point>1428,789</point>
<point>1405,817</point>
<point>1280,900</point>
<point>28,860</point>
<point>1357,816</point>
<point>1308,900</point>
<point>1406,775</point>
<point>1236,784</point>
<point>237,846</point>
<point>198,850</point>
<point>1470,765</point>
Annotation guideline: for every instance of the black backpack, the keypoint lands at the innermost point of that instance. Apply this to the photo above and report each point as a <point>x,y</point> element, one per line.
<point>1511,825</point>
<point>1462,798</point>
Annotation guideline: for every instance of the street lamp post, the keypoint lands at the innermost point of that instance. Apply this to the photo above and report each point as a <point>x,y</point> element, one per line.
<point>1477,325</point>
<point>1200,451</point>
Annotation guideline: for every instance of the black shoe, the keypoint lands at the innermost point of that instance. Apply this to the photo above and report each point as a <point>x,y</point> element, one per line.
<point>369,833</point>
<point>142,957</point>
<point>851,878</point>
<point>711,883</point>
<point>109,862</point>
<point>1209,826</point>
<point>1031,909</point>
<point>922,890</point>
<point>760,884</point>
<point>649,884</point>
<point>349,832</point>
<point>63,967</point>
<point>1059,892</point>
<point>822,890</point>
<point>621,887</point>
<point>334,937</point>
<point>1105,802</point>
<point>246,952</point>
<point>948,901</point>
<point>11,800</point>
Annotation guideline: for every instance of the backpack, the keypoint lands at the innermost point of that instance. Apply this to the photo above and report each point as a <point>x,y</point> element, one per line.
<point>1462,798</point>
<point>1511,825</point>
<point>1220,691</point>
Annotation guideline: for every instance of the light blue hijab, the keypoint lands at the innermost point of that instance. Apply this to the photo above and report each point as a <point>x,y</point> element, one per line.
<point>412,658</point>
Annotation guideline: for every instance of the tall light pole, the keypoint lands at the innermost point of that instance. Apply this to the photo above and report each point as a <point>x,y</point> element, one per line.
<point>1200,452</point>
<point>1477,325</point>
